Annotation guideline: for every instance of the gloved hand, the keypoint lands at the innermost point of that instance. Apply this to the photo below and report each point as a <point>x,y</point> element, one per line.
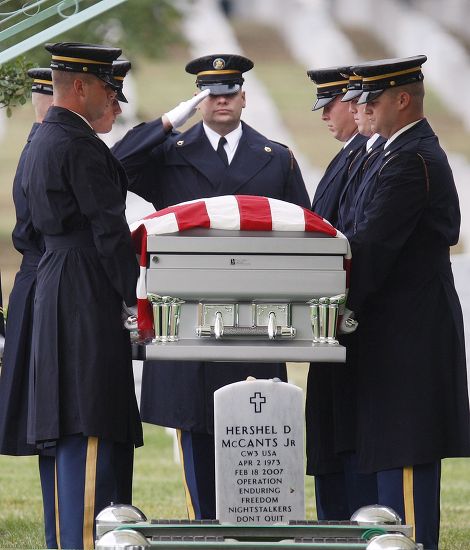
<point>186,109</point>
<point>129,316</point>
<point>347,323</point>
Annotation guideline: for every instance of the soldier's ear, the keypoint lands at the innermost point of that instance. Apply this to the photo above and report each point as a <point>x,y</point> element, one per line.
<point>78,86</point>
<point>403,99</point>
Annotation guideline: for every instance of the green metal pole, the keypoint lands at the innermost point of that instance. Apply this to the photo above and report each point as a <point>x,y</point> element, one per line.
<point>58,28</point>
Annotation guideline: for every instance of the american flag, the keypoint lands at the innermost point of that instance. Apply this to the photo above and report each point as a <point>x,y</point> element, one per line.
<point>229,212</point>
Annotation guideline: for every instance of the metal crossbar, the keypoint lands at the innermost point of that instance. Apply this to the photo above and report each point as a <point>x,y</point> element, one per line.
<point>38,11</point>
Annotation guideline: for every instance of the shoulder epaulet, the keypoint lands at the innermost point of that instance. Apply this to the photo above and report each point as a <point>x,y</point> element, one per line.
<point>291,154</point>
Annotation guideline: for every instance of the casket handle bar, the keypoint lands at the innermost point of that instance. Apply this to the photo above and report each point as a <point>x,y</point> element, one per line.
<point>268,320</point>
<point>247,332</point>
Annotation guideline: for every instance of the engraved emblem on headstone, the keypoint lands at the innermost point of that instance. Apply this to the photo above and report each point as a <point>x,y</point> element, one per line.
<point>257,400</point>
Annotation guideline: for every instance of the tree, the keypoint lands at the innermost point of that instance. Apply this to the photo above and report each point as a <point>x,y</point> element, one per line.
<point>15,85</point>
<point>143,27</point>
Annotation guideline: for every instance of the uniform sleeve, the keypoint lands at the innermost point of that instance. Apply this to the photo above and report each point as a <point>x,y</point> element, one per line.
<point>135,150</point>
<point>95,184</point>
<point>295,190</point>
<point>389,220</point>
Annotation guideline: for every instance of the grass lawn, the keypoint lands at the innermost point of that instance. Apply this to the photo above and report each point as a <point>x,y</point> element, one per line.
<point>158,492</point>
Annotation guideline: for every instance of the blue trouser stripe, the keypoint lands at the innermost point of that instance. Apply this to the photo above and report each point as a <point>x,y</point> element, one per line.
<point>199,470</point>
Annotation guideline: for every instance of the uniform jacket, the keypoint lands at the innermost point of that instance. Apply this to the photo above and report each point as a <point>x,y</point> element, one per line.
<point>182,168</point>
<point>330,397</point>
<point>82,379</point>
<point>412,388</point>
<point>14,378</point>
<point>329,189</point>
<point>359,174</point>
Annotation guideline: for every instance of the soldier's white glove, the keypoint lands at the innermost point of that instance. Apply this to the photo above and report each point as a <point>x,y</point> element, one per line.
<point>347,323</point>
<point>186,109</point>
<point>129,316</point>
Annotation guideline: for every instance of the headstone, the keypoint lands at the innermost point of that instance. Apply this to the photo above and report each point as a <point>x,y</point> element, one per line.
<point>259,456</point>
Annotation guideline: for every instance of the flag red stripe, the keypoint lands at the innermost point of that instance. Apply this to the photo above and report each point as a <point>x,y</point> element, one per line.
<point>255,213</point>
<point>313,222</point>
<point>192,215</point>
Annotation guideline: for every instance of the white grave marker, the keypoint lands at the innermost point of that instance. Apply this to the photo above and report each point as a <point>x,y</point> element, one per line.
<point>259,455</point>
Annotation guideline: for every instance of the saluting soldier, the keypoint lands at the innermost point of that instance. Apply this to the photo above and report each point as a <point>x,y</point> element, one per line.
<point>220,155</point>
<point>82,398</point>
<point>412,400</point>
<point>14,379</point>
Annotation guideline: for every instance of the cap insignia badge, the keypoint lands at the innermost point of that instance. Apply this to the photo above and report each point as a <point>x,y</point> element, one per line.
<point>218,64</point>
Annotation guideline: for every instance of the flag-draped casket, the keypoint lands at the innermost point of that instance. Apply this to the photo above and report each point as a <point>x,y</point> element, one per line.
<point>239,278</point>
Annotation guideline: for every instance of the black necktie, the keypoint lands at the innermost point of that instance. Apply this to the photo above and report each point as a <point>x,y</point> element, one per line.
<point>221,150</point>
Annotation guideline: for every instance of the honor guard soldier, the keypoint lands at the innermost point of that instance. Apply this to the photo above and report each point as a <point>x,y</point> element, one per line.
<point>219,156</point>
<point>2,324</point>
<point>412,400</point>
<point>327,428</point>
<point>362,159</point>
<point>332,84</point>
<point>124,452</point>
<point>14,379</point>
<point>82,401</point>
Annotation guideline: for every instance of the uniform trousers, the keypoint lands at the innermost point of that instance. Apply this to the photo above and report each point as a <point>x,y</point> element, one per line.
<point>414,493</point>
<point>198,463</point>
<point>113,486</point>
<point>47,474</point>
<point>338,495</point>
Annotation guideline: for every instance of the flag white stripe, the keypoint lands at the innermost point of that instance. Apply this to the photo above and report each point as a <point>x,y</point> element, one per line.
<point>223,212</point>
<point>163,224</point>
<point>286,216</point>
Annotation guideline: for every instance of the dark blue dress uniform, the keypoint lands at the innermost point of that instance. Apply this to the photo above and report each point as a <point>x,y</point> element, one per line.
<point>28,242</point>
<point>328,412</point>
<point>82,397</point>
<point>15,371</point>
<point>2,319</point>
<point>14,379</point>
<point>331,397</point>
<point>412,402</point>
<point>330,187</point>
<point>182,168</point>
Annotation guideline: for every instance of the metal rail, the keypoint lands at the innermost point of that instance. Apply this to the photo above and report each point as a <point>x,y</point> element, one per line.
<point>34,13</point>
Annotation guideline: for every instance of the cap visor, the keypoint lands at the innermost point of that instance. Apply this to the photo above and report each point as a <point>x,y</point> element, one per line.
<point>351,94</point>
<point>321,102</point>
<point>115,85</point>
<point>221,89</point>
<point>121,97</point>
<point>368,96</point>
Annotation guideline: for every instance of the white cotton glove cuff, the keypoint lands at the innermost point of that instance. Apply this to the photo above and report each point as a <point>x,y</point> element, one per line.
<point>347,323</point>
<point>128,310</point>
<point>185,110</point>
<point>129,316</point>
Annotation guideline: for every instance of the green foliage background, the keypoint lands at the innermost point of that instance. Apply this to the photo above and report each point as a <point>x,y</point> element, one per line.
<point>139,27</point>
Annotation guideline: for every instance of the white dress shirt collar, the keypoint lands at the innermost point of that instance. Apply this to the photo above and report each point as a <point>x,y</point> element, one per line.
<point>400,131</point>
<point>232,138</point>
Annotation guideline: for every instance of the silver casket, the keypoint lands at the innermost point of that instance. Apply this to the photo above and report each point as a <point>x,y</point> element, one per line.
<point>263,296</point>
